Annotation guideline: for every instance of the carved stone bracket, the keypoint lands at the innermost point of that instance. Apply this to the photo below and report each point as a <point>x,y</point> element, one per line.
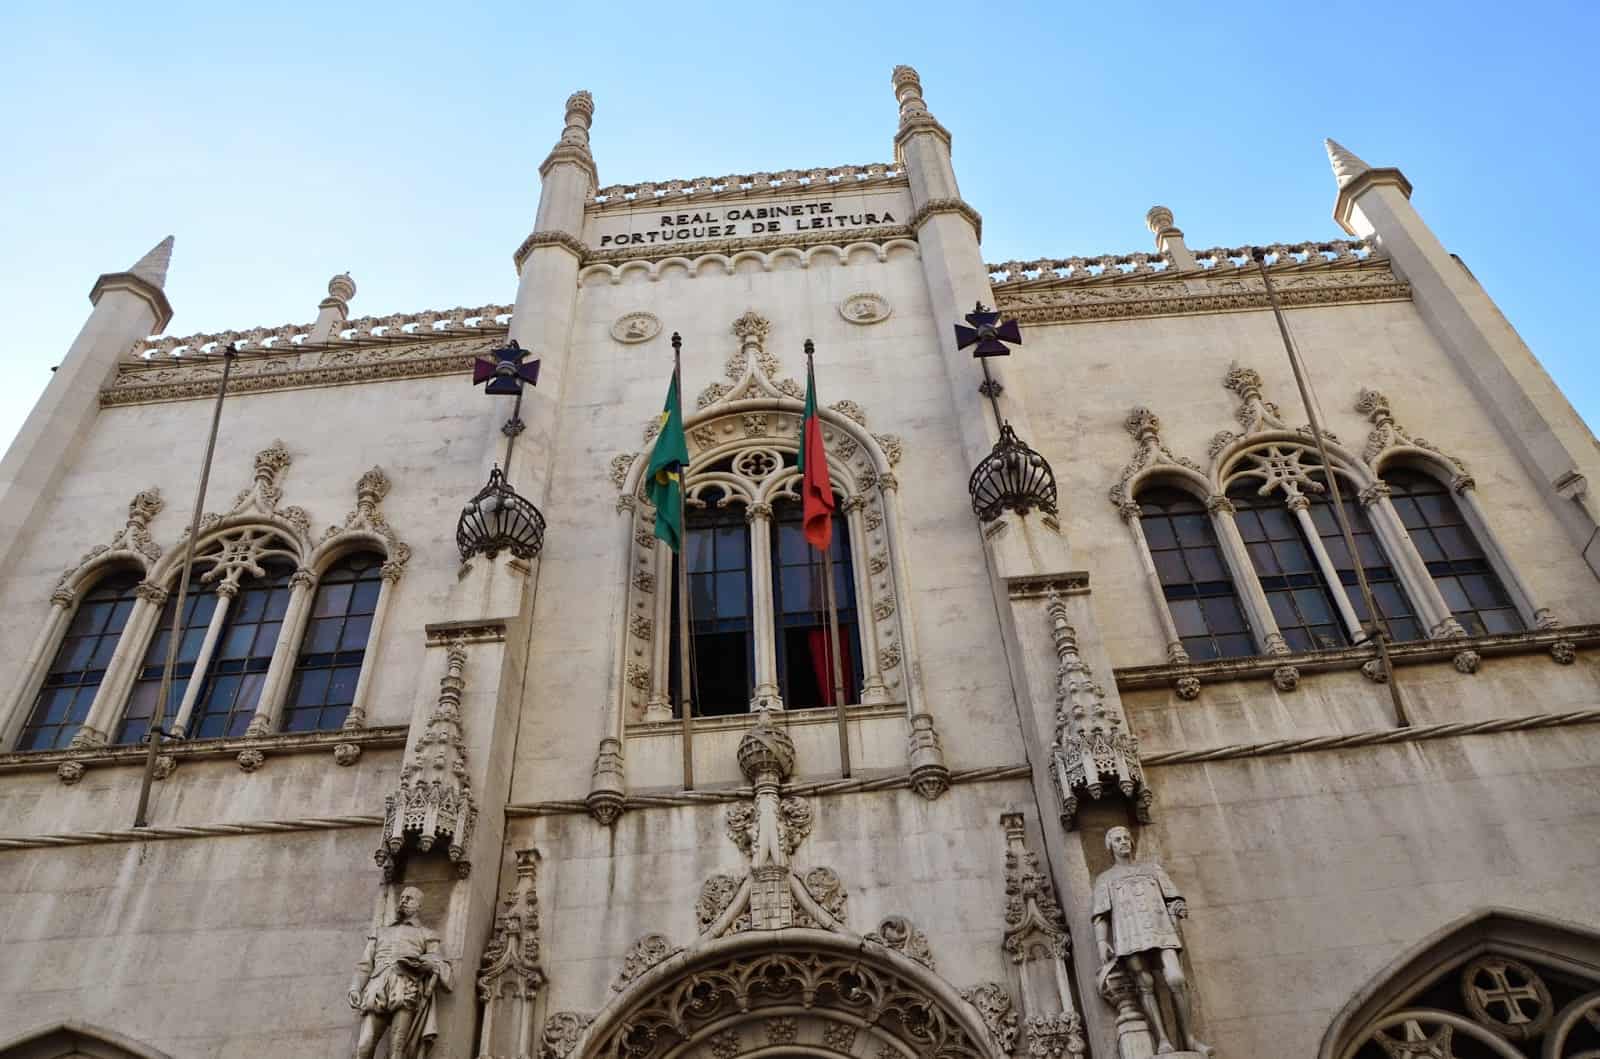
<point>607,784</point>
<point>434,802</point>
<point>1094,753</point>
<point>930,777</point>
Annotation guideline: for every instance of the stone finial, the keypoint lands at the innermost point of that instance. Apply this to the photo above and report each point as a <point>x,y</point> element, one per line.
<point>908,92</point>
<point>580,116</point>
<point>152,267</point>
<point>1346,166</point>
<point>1169,239</point>
<point>333,310</point>
<point>766,751</point>
<point>342,287</point>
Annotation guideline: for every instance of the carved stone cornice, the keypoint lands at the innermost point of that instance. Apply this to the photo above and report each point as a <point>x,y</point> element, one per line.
<point>957,206</point>
<point>1042,586</point>
<point>669,194</point>
<point>1117,295</point>
<point>298,367</point>
<point>537,239</point>
<point>1411,652</point>
<point>278,744</point>
<point>444,633</point>
<point>138,286</point>
<point>654,252</point>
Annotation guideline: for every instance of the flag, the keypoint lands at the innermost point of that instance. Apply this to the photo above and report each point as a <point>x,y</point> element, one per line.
<point>664,485</point>
<point>816,491</point>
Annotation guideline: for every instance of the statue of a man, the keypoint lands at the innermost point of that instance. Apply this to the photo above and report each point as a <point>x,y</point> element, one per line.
<point>1136,912</point>
<point>394,983</point>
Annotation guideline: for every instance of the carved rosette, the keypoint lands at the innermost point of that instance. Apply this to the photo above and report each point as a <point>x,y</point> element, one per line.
<point>434,803</point>
<point>1094,754</point>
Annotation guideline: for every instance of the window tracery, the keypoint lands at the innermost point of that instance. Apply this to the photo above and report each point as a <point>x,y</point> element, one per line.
<point>1421,540</point>
<point>250,658</point>
<point>741,491</point>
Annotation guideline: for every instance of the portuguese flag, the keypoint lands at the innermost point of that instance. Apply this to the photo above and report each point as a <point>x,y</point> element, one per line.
<point>816,490</point>
<point>664,486</point>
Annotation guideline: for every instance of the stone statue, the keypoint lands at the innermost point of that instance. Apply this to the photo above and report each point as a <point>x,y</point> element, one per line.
<point>1136,912</point>
<point>394,984</point>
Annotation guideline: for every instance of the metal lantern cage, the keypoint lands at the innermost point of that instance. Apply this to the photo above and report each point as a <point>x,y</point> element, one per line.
<point>1013,476</point>
<point>499,519</point>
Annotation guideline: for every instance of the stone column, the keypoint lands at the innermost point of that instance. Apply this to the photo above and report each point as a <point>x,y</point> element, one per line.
<point>874,691</point>
<point>1530,413</point>
<point>179,722</point>
<point>123,668</point>
<point>275,684</point>
<point>128,306</point>
<point>766,695</point>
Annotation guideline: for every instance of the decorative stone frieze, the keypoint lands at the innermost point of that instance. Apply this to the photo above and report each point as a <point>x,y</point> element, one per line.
<point>434,803</point>
<point>1094,753</point>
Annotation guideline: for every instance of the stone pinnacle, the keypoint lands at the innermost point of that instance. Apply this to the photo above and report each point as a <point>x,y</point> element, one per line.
<point>152,267</point>
<point>1346,166</point>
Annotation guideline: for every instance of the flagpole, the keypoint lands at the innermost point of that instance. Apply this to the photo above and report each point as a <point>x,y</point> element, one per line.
<point>836,663</point>
<point>158,713</point>
<point>1380,627</point>
<point>685,706</point>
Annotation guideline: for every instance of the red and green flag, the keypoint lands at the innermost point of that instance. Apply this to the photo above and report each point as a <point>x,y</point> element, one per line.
<point>816,491</point>
<point>664,477</point>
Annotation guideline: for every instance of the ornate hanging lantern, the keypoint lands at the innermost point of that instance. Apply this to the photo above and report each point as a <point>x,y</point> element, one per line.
<point>499,519</point>
<point>1012,477</point>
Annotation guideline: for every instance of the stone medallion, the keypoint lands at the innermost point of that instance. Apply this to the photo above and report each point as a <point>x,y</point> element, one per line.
<point>865,308</point>
<point>636,327</point>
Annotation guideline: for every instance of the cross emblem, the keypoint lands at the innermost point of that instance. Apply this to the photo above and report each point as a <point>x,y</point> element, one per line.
<point>1503,992</point>
<point>1417,1044</point>
<point>506,372</point>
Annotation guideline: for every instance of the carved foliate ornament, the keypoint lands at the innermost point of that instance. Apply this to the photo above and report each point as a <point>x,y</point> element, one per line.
<point>366,521</point>
<point>999,1016</point>
<point>510,968</point>
<point>1094,753</point>
<point>434,804</point>
<point>1035,925</point>
<point>1150,452</point>
<point>133,537</point>
<point>644,954</point>
<point>561,1034</point>
<point>1388,436</point>
<point>900,934</point>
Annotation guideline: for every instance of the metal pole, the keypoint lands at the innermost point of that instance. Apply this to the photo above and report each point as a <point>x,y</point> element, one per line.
<point>836,663</point>
<point>1380,633</point>
<point>153,736</point>
<point>685,706</point>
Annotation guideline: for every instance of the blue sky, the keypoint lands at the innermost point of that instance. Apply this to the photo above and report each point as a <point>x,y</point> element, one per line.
<point>402,143</point>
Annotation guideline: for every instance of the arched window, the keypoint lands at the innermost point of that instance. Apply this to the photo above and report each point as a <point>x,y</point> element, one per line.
<point>1288,571</point>
<point>1387,591</point>
<point>717,543</point>
<point>197,611</point>
<point>800,612</point>
<point>1194,578</point>
<point>80,664</point>
<point>1471,588</point>
<point>232,686</point>
<point>334,646</point>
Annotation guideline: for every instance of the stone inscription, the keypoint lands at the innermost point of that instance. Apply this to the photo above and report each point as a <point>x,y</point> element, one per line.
<point>739,221</point>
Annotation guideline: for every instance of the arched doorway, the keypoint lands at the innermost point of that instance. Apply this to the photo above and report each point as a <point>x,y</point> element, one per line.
<point>786,994</point>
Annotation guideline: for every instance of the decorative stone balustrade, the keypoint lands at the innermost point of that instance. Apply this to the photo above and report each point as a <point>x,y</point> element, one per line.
<point>1108,266</point>
<point>442,322</point>
<point>844,177</point>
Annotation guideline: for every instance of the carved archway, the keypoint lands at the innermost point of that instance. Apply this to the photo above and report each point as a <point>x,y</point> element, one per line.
<point>1495,983</point>
<point>76,1040</point>
<point>801,991</point>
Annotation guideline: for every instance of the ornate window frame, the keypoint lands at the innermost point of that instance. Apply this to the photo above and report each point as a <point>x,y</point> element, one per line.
<point>231,546</point>
<point>756,421</point>
<point>1270,449</point>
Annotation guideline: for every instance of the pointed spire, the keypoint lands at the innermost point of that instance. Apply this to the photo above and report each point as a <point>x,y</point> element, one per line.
<point>152,267</point>
<point>1346,166</point>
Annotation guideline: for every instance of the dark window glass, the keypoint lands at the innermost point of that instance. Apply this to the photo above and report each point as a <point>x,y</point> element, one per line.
<point>197,611</point>
<point>800,605</point>
<point>334,645</point>
<point>232,682</point>
<point>1468,583</point>
<point>717,548</point>
<point>80,664</point>
<point>1188,560</point>
<point>1387,592</point>
<point>1289,575</point>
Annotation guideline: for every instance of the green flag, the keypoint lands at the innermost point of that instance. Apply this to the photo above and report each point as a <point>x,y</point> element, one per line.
<point>664,485</point>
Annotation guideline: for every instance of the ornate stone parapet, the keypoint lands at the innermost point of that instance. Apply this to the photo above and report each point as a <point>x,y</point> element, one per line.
<point>434,803</point>
<point>1094,753</point>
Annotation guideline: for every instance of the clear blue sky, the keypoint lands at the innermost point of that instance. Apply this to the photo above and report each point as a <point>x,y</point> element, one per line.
<point>282,143</point>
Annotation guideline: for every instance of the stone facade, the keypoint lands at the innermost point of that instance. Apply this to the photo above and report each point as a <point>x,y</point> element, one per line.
<point>1325,853</point>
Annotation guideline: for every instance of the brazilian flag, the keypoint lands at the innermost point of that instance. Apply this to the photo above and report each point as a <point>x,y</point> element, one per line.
<point>664,485</point>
